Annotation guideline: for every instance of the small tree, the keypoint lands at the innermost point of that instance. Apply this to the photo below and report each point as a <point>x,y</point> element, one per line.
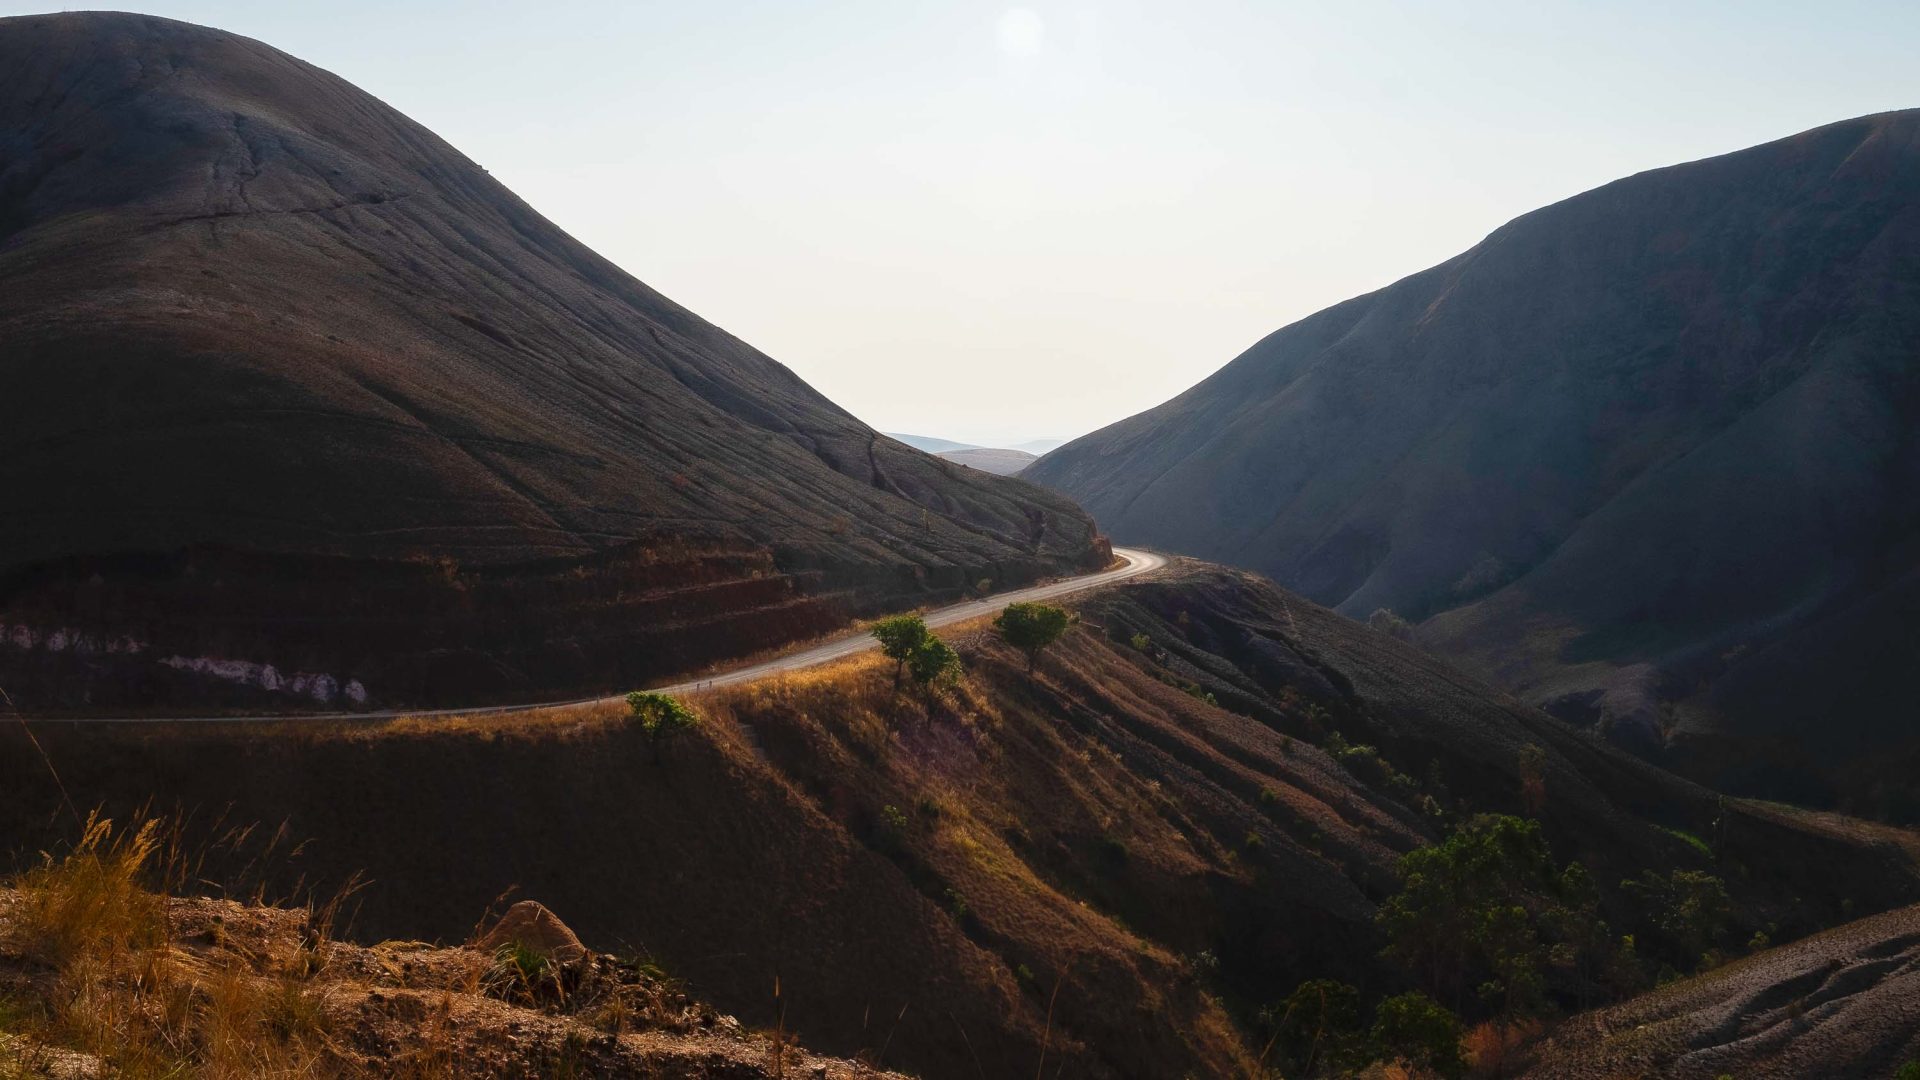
<point>1031,627</point>
<point>1463,906</point>
<point>1689,908</point>
<point>899,636</point>
<point>1317,1025</point>
<point>933,664</point>
<point>1419,1030</point>
<point>661,717</point>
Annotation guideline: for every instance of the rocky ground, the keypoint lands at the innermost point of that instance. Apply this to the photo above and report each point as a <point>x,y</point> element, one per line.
<point>1842,1003</point>
<point>525,999</point>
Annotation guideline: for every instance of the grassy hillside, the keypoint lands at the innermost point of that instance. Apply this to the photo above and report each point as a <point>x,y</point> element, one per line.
<point>1115,864</point>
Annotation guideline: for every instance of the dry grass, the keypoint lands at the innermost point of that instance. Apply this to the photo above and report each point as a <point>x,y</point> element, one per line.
<point>103,980</point>
<point>104,975</point>
<point>1496,1049</point>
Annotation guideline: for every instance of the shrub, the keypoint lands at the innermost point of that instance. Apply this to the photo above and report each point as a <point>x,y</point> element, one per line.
<point>934,664</point>
<point>1031,627</point>
<point>662,718</point>
<point>1141,642</point>
<point>1317,1025</point>
<point>1415,1028</point>
<point>1390,624</point>
<point>1909,1071</point>
<point>1495,1048</point>
<point>1690,909</point>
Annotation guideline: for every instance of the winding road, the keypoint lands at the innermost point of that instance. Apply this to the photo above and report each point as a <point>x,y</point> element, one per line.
<point>849,644</point>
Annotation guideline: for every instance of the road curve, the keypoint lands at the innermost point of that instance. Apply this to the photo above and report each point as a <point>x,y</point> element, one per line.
<point>852,643</point>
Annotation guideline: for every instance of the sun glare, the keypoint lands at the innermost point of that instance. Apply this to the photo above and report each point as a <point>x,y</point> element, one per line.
<point>1021,32</point>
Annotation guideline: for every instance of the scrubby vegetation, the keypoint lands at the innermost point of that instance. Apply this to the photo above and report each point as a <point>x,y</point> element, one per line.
<point>103,974</point>
<point>1032,627</point>
<point>1224,851</point>
<point>663,718</point>
<point>914,650</point>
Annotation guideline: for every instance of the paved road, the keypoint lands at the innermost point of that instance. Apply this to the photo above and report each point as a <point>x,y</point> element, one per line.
<point>1137,563</point>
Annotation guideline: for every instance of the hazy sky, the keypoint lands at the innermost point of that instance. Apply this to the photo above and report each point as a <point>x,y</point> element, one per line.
<point>994,222</point>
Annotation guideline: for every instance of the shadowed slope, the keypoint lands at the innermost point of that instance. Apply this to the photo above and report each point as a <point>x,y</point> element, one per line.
<point>1609,456</point>
<point>1842,1003</point>
<point>246,304</point>
<point>1146,821</point>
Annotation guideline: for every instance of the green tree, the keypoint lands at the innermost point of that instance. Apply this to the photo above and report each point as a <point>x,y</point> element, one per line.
<point>1414,1028</point>
<point>1689,908</point>
<point>1466,906</point>
<point>1584,945</point>
<point>899,636</point>
<point>1317,1025</point>
<point>934,664</point>
<point>661,717</point>
<point>1031,627</point>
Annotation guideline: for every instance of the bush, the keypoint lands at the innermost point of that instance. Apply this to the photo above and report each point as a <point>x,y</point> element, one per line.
<point>1390,624</point>
<point>1317,1025</point>
<point>1141,642</point>
<point>661,717</point>
<point>1031,627</point>
<point>1413,1027</point>
<point>1909,1071</point>
<point>934,664</point>
<point>1689,909</point>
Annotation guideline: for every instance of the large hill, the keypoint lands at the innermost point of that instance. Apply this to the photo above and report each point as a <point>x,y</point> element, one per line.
<point>265,338</point>
<point>1646,456</point>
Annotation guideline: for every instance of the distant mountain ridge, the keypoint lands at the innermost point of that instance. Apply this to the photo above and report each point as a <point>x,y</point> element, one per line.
<point>294,386</point>
<point>930,444</point>
<point>1647,456</point>
<point>999,462</point>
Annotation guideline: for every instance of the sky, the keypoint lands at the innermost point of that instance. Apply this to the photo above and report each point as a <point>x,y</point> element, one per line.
<point>996,222</point>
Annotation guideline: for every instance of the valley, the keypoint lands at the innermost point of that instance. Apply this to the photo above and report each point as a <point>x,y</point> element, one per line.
<point>429,652</point>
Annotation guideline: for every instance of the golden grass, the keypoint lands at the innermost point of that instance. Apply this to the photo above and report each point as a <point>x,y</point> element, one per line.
<point>108,984</point>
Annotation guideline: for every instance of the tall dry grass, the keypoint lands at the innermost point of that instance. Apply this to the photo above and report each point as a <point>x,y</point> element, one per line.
<point>103,980</point>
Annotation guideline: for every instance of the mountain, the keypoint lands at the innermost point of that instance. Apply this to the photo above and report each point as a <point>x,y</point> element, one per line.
<point>998,462</point>
<point>1039,446</point>
<point>303,405</point>
<point>930,444</point>
<point>1646,456</point>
